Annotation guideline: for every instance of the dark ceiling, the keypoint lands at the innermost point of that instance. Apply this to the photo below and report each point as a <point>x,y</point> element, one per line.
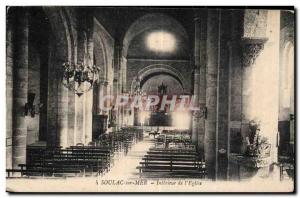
<point>117,20</point>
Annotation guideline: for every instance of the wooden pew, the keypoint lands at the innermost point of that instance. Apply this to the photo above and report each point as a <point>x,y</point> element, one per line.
<point>76,159</point>
<point>159,162</point>
<point>80,159</point>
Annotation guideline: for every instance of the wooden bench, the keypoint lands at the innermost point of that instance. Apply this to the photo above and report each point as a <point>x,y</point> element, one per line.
<point>159,162</point>
<point>66,165</point>
<point>79,159</point>
<point>52,169</point>
<point>76,159</point>
<point>31,170</point>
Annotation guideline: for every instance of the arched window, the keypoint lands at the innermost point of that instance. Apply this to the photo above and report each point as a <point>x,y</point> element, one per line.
<point>288,78</point>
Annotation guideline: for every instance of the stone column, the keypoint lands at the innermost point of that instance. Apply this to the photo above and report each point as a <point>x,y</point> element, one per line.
<point>211,127</point>
<point>196,113</point>
<point>106,91</point>
<point>100,97</point>
<point>20,89</point>
<point>10,46</point>
<point>124,89</point>
<point>116,109</point>
<point>202,81</point>
<point>80,124</point>
<point>52,96</point>
<point>117,83</point>
<point>90,62</point>
<point>123,72</point>
<point>62,114</point>
<point>251,50</point>
<point>264,103</point>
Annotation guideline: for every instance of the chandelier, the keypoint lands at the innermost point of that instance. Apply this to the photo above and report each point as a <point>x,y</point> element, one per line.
<point>79,77</point>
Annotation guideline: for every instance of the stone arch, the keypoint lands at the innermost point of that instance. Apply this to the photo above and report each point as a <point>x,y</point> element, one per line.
<point>150,83</point>
<point>160,68</point>
<point>62,33</point>
<point>100,56</point>
<point>103,49</point>
<point>287,81</point>
<point>61,49</point>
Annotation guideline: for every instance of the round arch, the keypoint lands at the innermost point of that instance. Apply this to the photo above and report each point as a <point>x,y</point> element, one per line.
<point>63,33</point>
<point>100,56</point>
<point>156,69</point>
<point>287,77</point>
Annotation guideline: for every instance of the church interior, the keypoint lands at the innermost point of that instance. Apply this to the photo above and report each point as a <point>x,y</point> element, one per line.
<point>235,65</point>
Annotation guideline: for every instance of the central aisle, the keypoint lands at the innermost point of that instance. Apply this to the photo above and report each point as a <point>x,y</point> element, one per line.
<point>125,165</point>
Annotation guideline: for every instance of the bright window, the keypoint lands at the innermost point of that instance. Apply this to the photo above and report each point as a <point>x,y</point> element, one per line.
<point>161,41</point>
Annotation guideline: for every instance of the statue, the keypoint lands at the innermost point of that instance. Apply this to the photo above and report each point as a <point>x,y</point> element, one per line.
<point>162,89</point>
<point>257,145</point>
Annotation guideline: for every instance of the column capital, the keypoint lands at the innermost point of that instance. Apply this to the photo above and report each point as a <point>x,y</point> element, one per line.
<point>252,47</point>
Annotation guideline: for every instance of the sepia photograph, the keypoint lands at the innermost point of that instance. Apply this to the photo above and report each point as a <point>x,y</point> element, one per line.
<point>150,99</point>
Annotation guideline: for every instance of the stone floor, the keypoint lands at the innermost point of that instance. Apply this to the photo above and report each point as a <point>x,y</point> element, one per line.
<point>125,165</point>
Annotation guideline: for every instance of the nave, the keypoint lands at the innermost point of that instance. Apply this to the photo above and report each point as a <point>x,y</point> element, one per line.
<point>149,93</point>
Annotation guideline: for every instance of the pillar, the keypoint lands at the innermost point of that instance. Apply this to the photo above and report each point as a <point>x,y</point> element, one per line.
<point>62,114</point>
<point>196,113</point>
<point>80,124</point>
<point>202,81</point>
<point>52,96</point>
<point>211,127</point>
<point>247,93</point>
<point>235,81</point>
<point>260,96</point>
<point>101,85</point>
<point>117,82</point>
<point>90,62</point>
<point>9,85</point>
<point>124,114</point>
<point>252,49</point>
<point>85,55</point>
<point>223,95</point>
<point>20,89</point>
